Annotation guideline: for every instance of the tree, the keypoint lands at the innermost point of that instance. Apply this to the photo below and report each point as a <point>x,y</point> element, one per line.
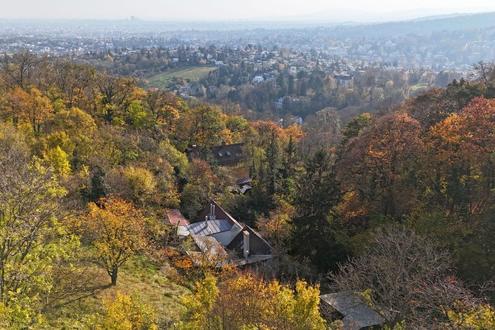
<point>199,306</point>
<point>480,317</point>
<point>19,68</point>
<point>16,102</point>
<point>39,110</point>
<point>204,126</point>
<point>59,161</point>
<point>378,170</point>
<point>33,241</point>
<point>460,175</point>
<point>176,158</point>
<point>277,228</point>
<point>117,230</point>
<point>355,127</point>
<point>137,184</point>
<point>243,301</point>
<point>127,313</point>
<point>406,277</point>
<point>80,129</point>
<point>323,130</point>
<point>199,189</point>
<point>314,226</point>
<point>137,116</point>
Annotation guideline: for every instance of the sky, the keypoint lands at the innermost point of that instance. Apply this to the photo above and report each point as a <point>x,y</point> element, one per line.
<point>228,10</point>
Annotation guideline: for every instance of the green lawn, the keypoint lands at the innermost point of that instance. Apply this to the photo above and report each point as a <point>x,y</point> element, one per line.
<point>419,87</point>
<point>164,79</point>
<point>139,277</point>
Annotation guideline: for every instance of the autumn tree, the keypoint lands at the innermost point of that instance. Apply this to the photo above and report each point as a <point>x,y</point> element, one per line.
<point>406,277</point>
<point>204,126</point>
<point>19,69</point>
<point>243,301</point>
<point>165,108</point>
<point>378,170</point>
<point>461,174</point>
<point>39,110</point>
<point>199,306</point>
<point>355,127</point>
<point>201,184</point>
<point>117,231</point>
<point>137,184</point>
<point>74,131</point>
<point>323,130</point>
<point>277,227</point>
<point>15,103</point>
<point>115,96</point>
<point>126,312</point>
<point>33,240</point>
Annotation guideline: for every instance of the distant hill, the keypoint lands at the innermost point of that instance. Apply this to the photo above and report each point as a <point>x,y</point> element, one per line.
<point>422,26</point>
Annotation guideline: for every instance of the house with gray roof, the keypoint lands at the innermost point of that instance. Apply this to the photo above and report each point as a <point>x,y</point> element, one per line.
<point>223,239</point>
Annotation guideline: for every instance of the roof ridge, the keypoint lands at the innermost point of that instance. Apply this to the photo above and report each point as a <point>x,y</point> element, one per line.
<point>231,218</point>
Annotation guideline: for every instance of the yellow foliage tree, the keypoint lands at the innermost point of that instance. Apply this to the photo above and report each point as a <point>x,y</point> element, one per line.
<point>127,313</point>
<point>117,230</point>
<point>247,302</point>
<point>59,161</point>
<point>481,317</point>
<point>199,306</point>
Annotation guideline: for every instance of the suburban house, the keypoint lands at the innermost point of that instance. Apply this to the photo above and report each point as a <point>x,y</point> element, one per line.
<point>222,239</point>
<point>244,185</point>
<point>223,155</point>
<point>351,308</point>
<point>344,80</point>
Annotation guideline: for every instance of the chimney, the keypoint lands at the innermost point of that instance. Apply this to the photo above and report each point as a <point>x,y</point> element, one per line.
<point>245,235</point>
<point>212,212</point>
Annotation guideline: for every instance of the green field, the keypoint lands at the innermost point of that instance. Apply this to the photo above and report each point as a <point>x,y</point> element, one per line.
<point>139,277</point>
<point>419,87</point>
<point>163,80</point>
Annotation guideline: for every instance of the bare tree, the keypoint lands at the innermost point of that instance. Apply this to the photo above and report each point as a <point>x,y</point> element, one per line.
<point>18,69</point>
<point>485,71</point>
<point>408,278</point>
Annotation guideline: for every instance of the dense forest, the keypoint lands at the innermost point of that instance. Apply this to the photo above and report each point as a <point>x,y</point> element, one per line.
<point>397,206</point>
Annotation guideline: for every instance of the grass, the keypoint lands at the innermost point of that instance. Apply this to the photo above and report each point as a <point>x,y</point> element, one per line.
<point>138,277</point>
<point>419,87</point>
<point>164,80</point>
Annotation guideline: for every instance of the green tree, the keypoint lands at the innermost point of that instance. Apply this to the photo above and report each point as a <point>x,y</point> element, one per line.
<point>33,241</point>
<point>137,116</point>
<point>314,225</point>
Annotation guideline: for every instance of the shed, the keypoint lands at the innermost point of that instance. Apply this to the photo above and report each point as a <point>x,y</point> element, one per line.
<point>354,311</point>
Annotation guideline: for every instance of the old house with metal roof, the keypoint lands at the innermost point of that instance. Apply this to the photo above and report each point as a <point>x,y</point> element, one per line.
<point>223,155</point>
<point>223,239</point>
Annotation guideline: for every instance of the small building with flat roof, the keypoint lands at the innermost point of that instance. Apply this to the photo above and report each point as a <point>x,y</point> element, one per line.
<point>352,309</point>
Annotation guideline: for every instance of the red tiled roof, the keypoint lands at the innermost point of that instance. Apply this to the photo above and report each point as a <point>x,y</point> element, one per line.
<point>176,218</point>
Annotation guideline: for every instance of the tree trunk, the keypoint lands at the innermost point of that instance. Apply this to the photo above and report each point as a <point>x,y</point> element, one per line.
<point>113,276</point>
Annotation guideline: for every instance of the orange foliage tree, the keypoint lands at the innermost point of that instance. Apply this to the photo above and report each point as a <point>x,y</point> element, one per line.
<point>378,169</point>
<point>117,230</point>
<point>461,159</point>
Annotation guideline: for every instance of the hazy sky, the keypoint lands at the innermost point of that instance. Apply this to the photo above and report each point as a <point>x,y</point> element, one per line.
<point>233,9</point>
